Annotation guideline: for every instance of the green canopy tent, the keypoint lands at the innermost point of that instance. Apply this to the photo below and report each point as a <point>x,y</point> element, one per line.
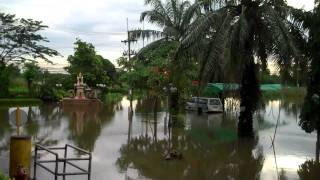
<point>214,89</point>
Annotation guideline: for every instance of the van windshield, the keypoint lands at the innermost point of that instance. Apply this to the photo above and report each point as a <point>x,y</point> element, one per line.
<point>214,102</point>
<point>202,100</point>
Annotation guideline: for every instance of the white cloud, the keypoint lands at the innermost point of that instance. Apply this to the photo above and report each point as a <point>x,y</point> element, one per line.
<point>100,22</point>
<point>305,4</point>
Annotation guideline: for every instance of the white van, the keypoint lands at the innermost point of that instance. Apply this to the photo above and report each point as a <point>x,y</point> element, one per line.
<point>204,104</point>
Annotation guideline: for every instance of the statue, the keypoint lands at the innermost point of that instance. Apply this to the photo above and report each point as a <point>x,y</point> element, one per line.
<point>79,98</point>
<point>80,87</point>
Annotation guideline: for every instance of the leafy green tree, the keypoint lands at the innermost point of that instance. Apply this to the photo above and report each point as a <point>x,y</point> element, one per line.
<point>235,36</point>
<point>95,68</point>
<point>31,72</point>
<point>4,79</point>
<point>20,40</point>
<point>48,89</point>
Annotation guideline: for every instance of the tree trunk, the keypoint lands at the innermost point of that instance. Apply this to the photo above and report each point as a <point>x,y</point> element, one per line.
<point>317,147</point>
<point>249,96</point>
<point>29,88</point>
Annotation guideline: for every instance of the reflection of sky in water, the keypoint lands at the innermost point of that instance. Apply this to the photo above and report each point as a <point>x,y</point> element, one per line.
<point>292,145</point>
<point>203,141</point>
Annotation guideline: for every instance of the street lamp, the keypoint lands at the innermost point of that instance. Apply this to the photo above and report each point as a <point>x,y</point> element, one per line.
<point>58,85</point>
<point>101,85</point>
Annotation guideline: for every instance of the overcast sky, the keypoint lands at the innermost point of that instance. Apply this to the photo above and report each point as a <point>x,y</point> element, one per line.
<point>100,22</point>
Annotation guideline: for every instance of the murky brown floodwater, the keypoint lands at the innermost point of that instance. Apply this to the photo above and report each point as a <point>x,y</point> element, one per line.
<point>135,149</point>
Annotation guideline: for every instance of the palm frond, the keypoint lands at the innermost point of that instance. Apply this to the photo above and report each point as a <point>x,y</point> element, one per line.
<point>158,14</point>
<point>284,47</point>
<point>215,56</point>
<point>145,34</point>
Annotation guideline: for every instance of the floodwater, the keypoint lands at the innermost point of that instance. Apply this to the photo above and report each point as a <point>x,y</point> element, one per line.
<point>135,147</point>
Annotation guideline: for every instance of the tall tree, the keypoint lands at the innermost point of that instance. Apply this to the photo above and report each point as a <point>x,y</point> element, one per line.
<point>31,72</point>
<point>310,116</point>
<point>174,18</point>
<point>239,34</point>
<point>20,40</point>
<point>95,68</point>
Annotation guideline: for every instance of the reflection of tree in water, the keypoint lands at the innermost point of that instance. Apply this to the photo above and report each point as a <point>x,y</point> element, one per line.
<point>5,128</point>
<point>147,105</point>
<point>50,112</point>
<point>32,126</point>
<point>240,159</point>
<point>86,123</point>
<point>4,121</point>
<point>310,169</point>
<point>291,106</point>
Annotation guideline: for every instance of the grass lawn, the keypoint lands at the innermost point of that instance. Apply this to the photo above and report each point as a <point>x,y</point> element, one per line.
<point>19,101</point>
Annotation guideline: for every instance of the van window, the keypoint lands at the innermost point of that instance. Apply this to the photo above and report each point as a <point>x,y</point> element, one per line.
<point>214,102</point>
<point>205,101</point>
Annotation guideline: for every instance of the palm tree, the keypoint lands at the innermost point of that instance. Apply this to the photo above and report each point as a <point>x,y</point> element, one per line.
<point>239,35</point>
<point>310,117</point>
<point>173,17</point>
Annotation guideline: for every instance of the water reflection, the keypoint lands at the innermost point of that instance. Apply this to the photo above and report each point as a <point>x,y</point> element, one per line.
<point>209,148</point>
<point>132,142</point>
<point>310,169</point>
<point>86,122</point>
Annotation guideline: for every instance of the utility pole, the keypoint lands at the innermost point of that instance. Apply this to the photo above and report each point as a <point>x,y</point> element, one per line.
<point>128,53</point>
<point>128,41</point>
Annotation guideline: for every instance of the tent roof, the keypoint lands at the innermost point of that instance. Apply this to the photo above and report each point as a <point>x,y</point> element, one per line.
<point>219,87</point>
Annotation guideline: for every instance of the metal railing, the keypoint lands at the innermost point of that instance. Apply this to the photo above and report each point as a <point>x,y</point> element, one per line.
<point>65,160</point>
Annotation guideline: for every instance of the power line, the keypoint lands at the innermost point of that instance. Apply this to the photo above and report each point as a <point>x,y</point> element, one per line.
<point>89,33</point>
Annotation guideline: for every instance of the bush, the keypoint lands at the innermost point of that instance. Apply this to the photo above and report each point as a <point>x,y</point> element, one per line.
<point>18,92</point>
<point>113,97</point>
<point>51,94</point>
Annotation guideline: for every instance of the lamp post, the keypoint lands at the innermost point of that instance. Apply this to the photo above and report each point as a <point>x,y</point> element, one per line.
<point>58,85</point>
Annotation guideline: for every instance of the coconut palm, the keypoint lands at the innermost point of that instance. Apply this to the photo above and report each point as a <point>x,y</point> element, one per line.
<point>310,117</point>
<point>235,38</point>
<point>173,18</point>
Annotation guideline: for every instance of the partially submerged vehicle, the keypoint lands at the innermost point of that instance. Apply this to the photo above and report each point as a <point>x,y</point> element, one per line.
<point>204,104</point>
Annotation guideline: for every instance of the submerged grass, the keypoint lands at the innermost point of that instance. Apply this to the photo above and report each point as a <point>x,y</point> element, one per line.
<point>216,136</point>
